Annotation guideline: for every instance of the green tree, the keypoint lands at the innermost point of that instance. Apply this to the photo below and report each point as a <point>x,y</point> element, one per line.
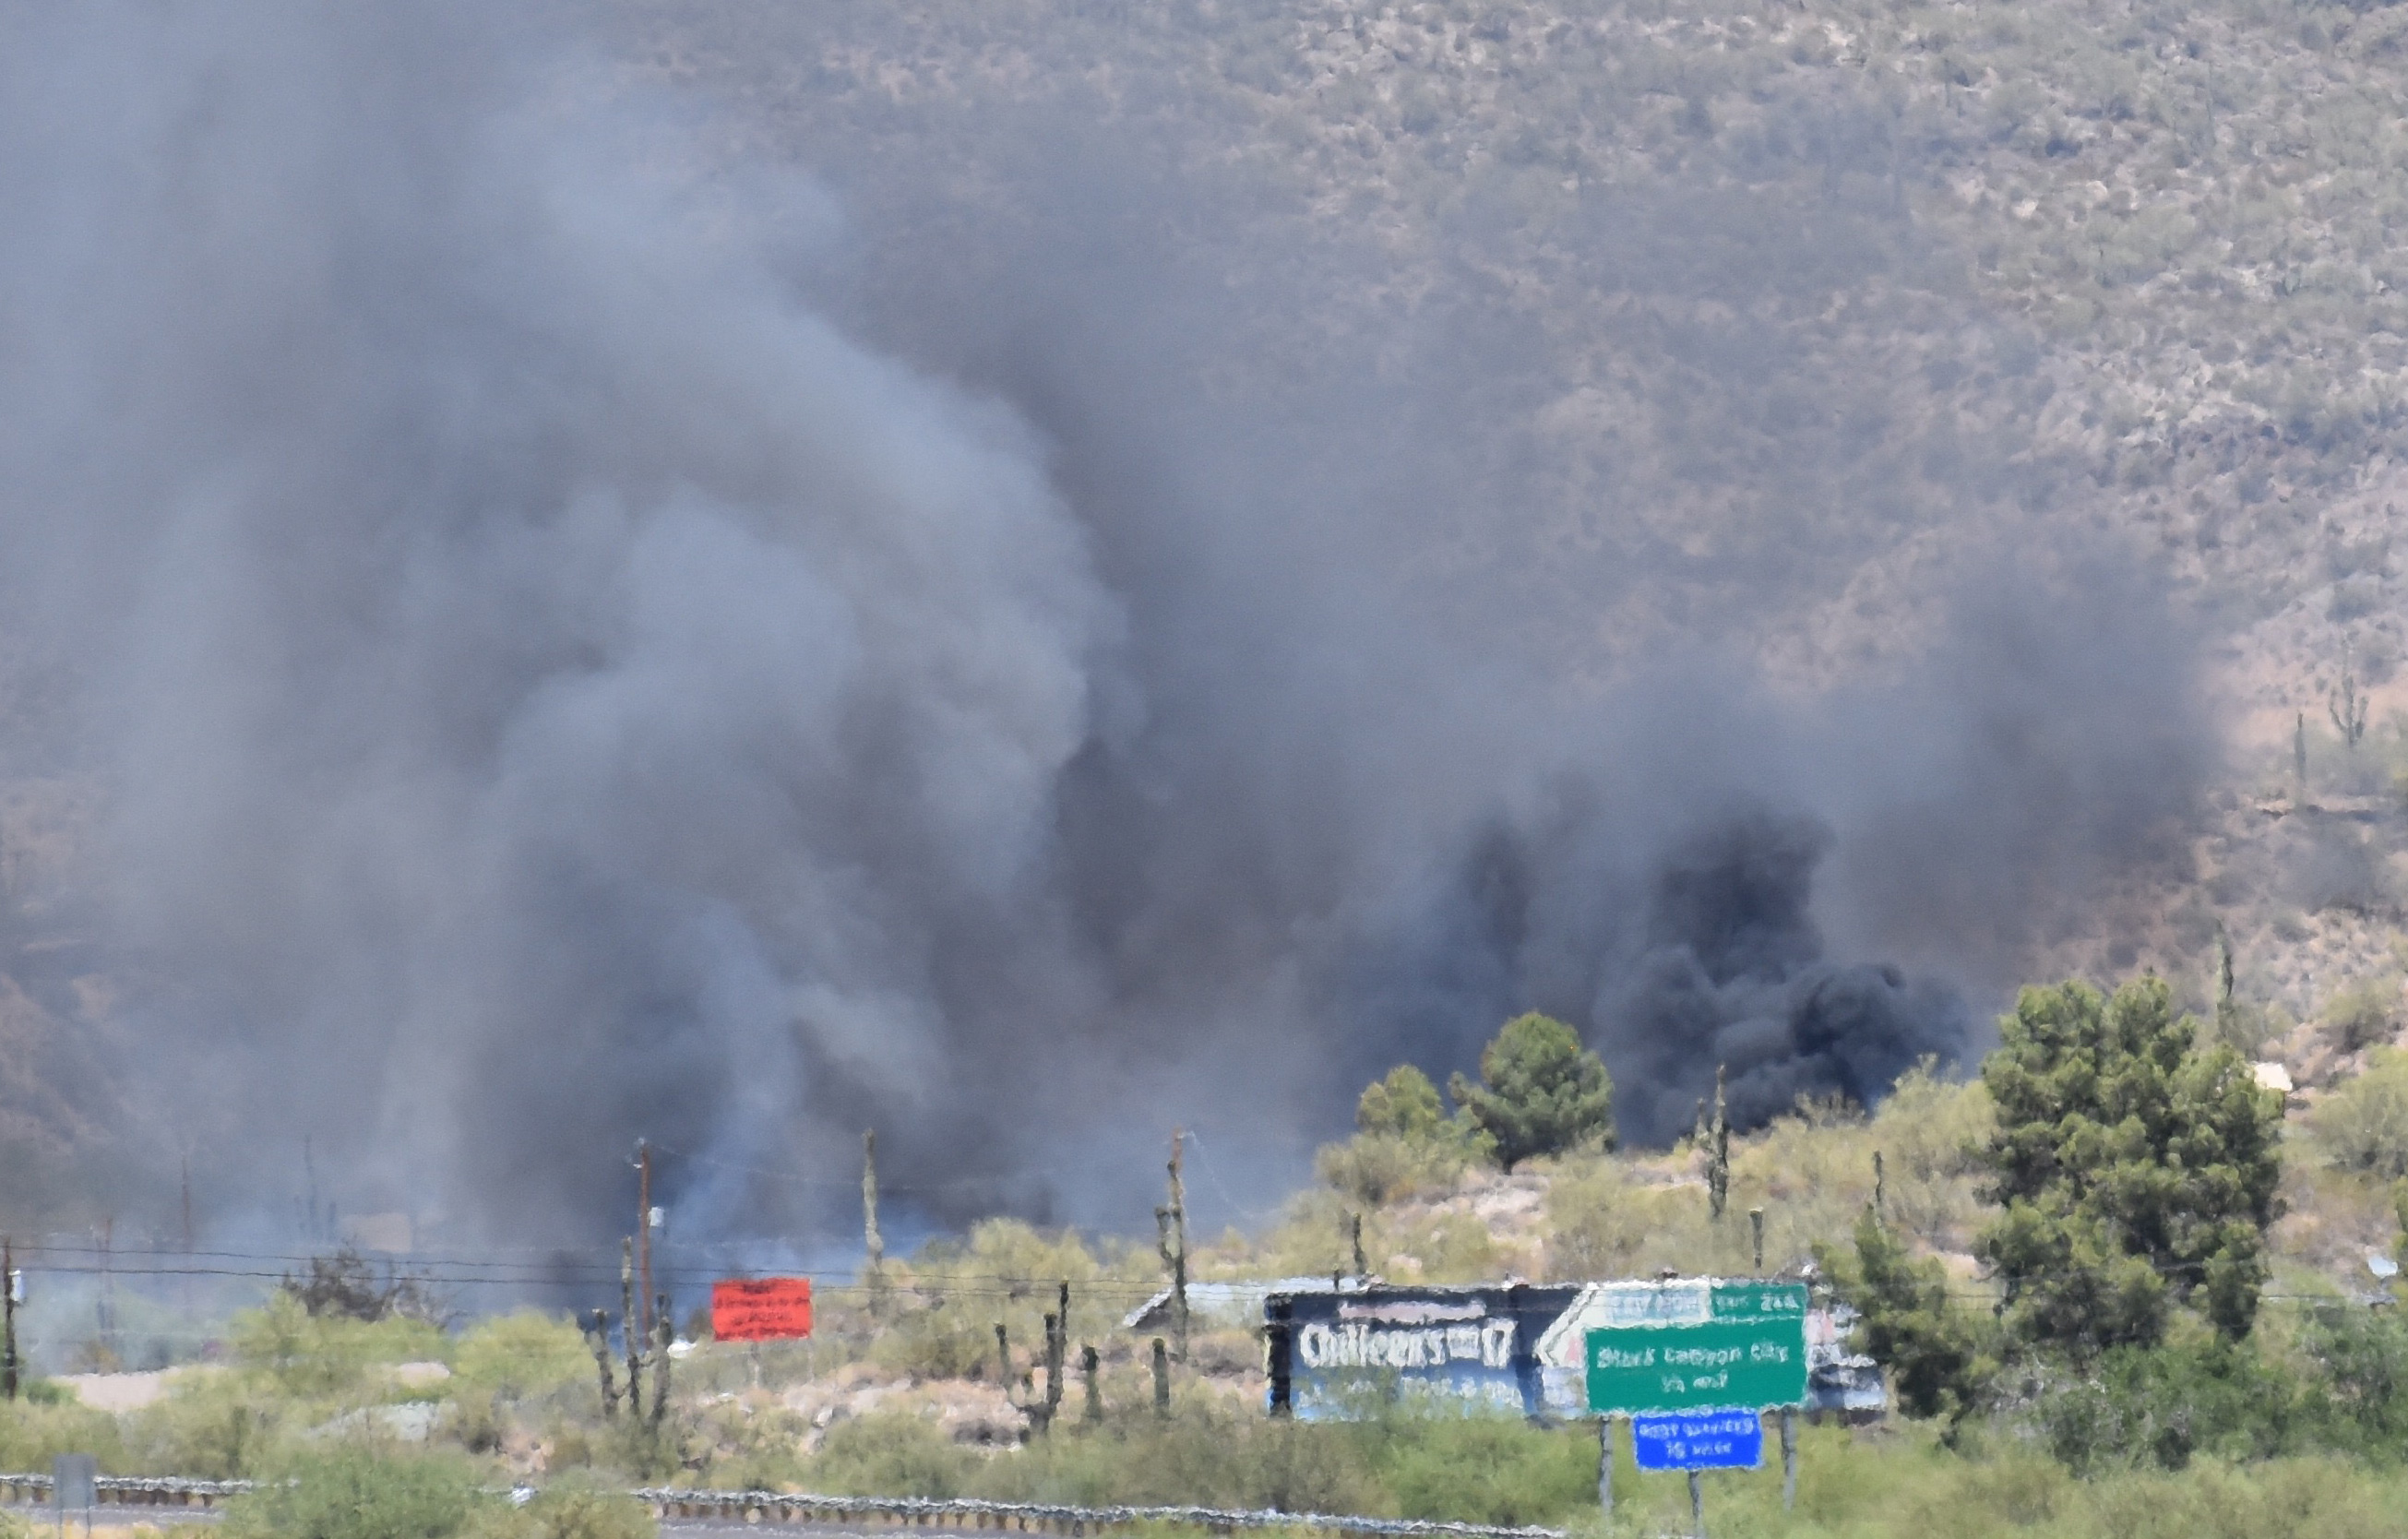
<point>1404,1104</point>
<point>2137,1170</point>
<point>1940,1358</point>
<point>1541,1092</point>
<point>1404,1142</point>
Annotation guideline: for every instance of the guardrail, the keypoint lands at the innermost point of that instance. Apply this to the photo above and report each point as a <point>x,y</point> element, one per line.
<point>790,1508</point>
<point>118,1490</point>
<point>1041,1517</point>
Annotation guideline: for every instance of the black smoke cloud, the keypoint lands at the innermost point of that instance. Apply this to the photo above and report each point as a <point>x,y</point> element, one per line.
<point>578,649</point>
<point>1734,975</point>
<point>1814,894</point>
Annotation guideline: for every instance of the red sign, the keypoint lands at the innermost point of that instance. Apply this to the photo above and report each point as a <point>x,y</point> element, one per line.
<point>761,1309</point>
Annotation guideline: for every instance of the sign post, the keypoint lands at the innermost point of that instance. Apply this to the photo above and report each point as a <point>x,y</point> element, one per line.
<point>75,1481</point>
<point>1694,1388</point>
<point>1605,1465</point>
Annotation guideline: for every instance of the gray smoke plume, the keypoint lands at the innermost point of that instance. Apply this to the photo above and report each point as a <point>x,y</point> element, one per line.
<point>579,648</point>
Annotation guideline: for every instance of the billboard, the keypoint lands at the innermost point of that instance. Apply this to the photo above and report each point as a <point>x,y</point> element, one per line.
<point>1335,1349</point>
<point>1339,1354</point>
<point>761,1309</point>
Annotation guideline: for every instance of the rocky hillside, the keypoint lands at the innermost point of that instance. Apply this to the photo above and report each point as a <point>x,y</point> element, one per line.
<point>2133,265</point>
<point>1765,323</point>
<point>1808,306</point>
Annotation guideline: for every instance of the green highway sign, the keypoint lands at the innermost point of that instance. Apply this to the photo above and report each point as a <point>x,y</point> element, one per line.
<point>1742,1301</point>
<point>1753,1359</point>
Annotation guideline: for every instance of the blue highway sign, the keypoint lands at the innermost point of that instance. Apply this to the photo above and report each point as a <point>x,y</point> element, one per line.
<point>1698,1440</point>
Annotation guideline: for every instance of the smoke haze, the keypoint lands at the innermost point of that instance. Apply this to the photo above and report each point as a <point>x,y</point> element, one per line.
<point>577,644</point>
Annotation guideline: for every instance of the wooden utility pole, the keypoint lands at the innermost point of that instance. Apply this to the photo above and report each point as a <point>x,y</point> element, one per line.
<point>1171,1224</point>
<point>1161,1378</point>
<point>1088,1363</point>
<point>644,1228</point>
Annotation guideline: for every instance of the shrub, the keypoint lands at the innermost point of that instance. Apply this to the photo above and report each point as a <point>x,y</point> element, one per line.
<point>32,1435</point>
<point>1215,1456</point>
<point>522,1355</point>
<point>210,1424</point>
<point>2364,1124</point>
<point>357,1493</point>
<point>1373,1169</point>
<point>2362,1356</point>
<point>303,1354</point>
<point>1603,1224</point>
<point>2164,1405</point>
<point>948,1329</point>
<point>889,1454</point>
<point>1404,1143</point>
<point>1482,1469</point>
<point>573,1510</point>
<point>2362,1015</point>
<point>1932,1135</point>
<point>344,1286</point>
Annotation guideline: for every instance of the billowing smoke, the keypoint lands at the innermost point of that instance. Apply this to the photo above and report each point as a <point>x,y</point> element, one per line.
<point>1814,895</point>
<point>1734,977</point>
<point>570,648</point>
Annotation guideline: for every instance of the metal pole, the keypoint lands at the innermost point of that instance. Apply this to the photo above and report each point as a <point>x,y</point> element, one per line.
<point>1788,1458</point>
<point>1605,1465</point>
<point>1697,1506</point>
<point>108,1311</point>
